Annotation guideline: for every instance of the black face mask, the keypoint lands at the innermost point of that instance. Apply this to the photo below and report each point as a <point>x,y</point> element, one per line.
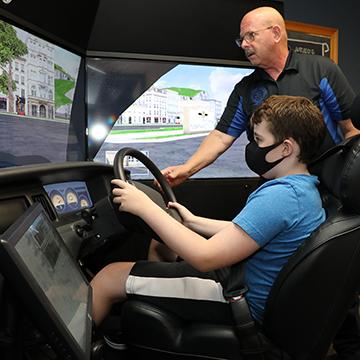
<point>255,157</point>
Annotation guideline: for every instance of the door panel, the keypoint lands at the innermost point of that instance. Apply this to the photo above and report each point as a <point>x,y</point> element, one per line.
<point>216,198</point>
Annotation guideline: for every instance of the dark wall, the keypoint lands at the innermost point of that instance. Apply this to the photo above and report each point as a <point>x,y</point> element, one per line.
<point>190,28</point>
<point>186,28</point>
<point>337,14</point>
<point>66,23</point>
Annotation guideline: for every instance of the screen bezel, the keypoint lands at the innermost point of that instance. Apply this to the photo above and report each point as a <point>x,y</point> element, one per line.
<point>34,300</point>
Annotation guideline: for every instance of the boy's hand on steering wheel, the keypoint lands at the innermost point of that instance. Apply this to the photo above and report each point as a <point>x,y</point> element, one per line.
<point>129,198</point>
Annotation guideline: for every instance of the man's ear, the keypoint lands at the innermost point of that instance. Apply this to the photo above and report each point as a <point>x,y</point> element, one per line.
<point>277,33</point>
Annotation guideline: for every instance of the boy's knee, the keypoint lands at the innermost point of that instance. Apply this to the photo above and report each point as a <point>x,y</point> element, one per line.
<point>110,281</point>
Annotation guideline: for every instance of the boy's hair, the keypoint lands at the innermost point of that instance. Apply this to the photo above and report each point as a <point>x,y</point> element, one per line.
<point>293,117</point>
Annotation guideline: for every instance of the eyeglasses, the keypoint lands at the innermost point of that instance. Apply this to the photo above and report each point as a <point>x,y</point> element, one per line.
<point>249,37</point>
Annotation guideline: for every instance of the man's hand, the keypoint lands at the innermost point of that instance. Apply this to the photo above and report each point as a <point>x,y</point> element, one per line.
<point>176,175</point>
<point>129,198</point>
<point>214,144</point>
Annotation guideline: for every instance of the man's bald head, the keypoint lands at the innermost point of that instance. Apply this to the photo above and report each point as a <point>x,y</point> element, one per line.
<point>266,16</point>
<point>263,17</point>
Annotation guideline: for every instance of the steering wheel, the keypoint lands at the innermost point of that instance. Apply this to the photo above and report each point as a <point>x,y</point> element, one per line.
<point>160,199</point>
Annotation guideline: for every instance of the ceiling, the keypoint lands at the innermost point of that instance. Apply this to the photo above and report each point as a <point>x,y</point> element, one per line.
<point>195,28</point>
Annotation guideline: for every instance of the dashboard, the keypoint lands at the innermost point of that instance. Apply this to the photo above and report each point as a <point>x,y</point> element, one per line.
<point>76,198</point>
<point>64,190</point>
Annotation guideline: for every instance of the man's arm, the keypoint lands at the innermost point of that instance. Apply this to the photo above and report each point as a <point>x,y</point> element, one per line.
<point>209,150</point>
<point>344,96</point>
<point>348,129</point>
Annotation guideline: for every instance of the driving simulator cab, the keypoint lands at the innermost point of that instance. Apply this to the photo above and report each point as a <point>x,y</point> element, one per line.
<point>89,92</point>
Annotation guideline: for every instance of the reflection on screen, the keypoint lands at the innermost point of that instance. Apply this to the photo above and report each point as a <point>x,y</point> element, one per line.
<point>56,274</point>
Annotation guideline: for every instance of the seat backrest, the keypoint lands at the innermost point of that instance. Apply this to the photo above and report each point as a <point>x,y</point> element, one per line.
<point>313,292</point>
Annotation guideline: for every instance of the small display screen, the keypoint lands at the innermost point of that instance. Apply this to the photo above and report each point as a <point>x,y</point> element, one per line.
<point>33,251</point>
<point>69,196</point>
<point>50,264</point>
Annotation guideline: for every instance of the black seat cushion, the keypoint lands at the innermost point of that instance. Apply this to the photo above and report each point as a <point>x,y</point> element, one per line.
<point>162,330</point>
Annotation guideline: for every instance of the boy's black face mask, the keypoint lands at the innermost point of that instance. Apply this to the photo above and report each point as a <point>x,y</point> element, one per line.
<point>255,157</point>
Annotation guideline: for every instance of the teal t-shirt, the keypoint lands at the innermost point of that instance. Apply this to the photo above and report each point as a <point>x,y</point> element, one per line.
<point>279,216</point>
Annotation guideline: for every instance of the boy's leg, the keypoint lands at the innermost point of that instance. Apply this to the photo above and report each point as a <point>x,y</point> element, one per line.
<point>180,289</point>
<point>160,252</point>
<point>108,287</point>
<point>173,286</point>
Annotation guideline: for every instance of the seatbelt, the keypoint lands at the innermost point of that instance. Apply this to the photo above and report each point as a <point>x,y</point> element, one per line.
<point>253,343</point>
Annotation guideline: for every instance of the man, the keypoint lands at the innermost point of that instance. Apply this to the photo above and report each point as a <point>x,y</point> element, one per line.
<point>278,71</point>
<point>287,133</point>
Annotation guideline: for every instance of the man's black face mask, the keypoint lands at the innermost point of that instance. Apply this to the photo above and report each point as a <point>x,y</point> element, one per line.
<point>255,157</point>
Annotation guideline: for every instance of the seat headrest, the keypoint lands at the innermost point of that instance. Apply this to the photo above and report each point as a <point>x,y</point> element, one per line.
<point>338,170</point>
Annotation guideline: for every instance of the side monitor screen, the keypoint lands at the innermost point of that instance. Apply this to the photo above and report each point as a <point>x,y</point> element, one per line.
<point>38,88</point>
<point>37,264</point>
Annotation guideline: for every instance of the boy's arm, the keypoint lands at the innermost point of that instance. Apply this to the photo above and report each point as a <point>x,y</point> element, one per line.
<point>227,247</point>
<point>207,227</point>
<point>201,225</point>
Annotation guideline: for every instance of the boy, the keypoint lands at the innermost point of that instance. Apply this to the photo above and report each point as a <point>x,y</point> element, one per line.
<point>276,219</point>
